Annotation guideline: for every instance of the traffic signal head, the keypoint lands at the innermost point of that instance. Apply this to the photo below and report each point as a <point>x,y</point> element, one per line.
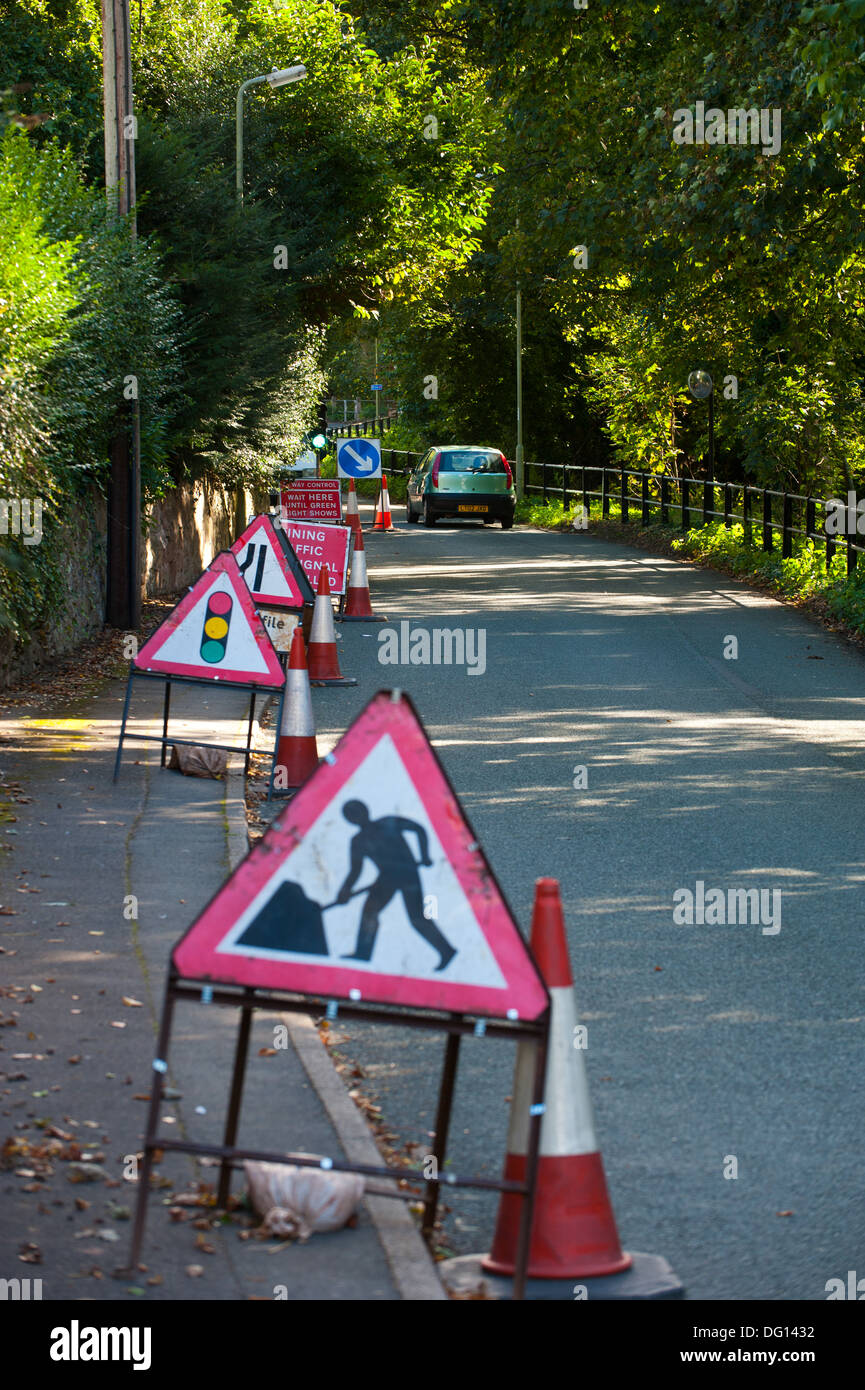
<point>319,441</point>
<point>214,636</point>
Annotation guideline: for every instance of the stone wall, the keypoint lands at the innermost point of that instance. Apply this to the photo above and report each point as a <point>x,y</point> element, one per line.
<point>184,532</point>
<point>80,549</point>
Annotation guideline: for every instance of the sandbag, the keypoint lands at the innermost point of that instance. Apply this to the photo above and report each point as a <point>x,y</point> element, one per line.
<point>297,1201</point>
<point>194,761</point>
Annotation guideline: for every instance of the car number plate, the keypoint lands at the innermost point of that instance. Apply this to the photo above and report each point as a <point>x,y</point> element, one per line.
<point>462,507</point>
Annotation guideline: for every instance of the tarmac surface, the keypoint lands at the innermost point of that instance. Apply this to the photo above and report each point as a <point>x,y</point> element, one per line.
<point>706,1043</point>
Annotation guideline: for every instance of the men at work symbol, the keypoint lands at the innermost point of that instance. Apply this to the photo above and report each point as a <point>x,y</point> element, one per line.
<point>382,841</point>
<point>292,922</point>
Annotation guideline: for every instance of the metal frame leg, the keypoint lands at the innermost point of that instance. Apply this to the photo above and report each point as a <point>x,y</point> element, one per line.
<point>276,744</point>
<point>123,722</point>
<point>166,707</point>
<point>521,1263</point>
<point>151,1141</point>
<point>237,1077</point>
<point>443,1119</point>
<point>249,732</point>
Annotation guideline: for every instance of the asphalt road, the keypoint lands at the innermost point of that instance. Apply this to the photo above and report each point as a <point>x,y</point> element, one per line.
<point>705,1041</point>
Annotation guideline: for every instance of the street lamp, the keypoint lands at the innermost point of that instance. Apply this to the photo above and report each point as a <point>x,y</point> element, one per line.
<point>280,77</point>
<point>702,388</point>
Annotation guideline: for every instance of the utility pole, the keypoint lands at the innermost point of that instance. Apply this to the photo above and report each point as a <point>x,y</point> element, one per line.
<point>123,606</point>
<point>521,458</point>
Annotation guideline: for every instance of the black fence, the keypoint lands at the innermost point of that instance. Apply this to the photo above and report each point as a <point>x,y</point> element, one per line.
<point>356,428</point>
<point>660,499</point>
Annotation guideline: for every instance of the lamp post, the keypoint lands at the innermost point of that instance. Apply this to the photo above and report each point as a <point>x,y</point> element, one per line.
<point>702,388</point>
<point>280,77</point>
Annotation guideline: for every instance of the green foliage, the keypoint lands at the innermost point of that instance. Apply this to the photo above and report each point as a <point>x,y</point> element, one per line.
<point>81,310</point>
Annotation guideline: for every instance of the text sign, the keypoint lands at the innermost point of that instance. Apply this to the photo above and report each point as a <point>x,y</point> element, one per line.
<point>314,498</point>
<point>279,627</point>
<point>315,546</point>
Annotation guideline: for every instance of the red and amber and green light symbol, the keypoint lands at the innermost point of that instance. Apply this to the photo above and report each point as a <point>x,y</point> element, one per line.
<point>214,638</point>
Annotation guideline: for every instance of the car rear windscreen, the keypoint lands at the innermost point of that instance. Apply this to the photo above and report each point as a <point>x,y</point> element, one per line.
<point>472,461</point>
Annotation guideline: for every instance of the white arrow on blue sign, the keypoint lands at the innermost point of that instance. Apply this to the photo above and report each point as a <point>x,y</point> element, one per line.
<point>358,458</point>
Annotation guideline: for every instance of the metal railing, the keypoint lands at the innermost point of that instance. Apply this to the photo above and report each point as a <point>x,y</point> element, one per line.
<point>356,428</point>
<point>661,499</point>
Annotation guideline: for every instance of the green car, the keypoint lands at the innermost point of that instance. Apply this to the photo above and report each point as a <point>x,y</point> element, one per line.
<point>461,481</point>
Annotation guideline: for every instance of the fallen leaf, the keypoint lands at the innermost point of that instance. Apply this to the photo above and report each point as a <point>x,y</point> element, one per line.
<point>131,1003</point>
<point>267,1052</point>
<point>115,1024</point>
<point>195,1271</point>
<point>789,1213</point>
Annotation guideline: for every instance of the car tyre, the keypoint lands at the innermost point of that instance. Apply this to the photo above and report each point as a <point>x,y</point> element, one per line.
<point>428,517</point>
<point>410,516</point>
<point>507,523</point>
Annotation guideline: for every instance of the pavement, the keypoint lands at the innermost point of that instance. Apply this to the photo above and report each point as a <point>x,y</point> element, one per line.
<point>97,883</point>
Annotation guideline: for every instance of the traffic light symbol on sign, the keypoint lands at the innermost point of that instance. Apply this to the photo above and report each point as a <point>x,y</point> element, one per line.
<point>214,638</point>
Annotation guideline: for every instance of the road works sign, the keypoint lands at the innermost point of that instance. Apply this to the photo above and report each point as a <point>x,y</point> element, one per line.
<point>214,633</point>
<point>272,571</point>
<point>358,458</point>
<point>316,545</point>
<point>315,498</point>
<point>371,886</point>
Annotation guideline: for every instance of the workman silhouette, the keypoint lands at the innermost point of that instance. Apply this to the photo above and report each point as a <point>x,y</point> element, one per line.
<point>382,841</point>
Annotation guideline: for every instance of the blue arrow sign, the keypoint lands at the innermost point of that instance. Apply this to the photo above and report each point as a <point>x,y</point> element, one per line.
<point>358,458</point>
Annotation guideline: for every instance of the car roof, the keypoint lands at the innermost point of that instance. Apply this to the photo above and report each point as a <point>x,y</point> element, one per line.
<point>454,448</point>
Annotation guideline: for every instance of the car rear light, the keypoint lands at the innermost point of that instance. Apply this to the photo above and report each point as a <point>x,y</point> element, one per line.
<point>508,474</point>
<point>435,469</point>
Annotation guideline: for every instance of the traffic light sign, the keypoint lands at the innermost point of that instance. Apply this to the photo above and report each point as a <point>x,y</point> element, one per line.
<point>214,636</point>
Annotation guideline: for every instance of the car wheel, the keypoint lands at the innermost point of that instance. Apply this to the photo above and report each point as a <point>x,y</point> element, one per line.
<point>409,515</point>
<point>507,523</point>
<point>428,518</point>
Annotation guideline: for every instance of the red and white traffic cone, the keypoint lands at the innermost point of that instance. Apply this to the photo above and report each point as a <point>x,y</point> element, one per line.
<point>352,515</point>
<point>322,655</point>
<point>383,519</point>
<point>296,754</point>
<point>573,1236</point>
<point>358,607</point>
<point>574,1232</point>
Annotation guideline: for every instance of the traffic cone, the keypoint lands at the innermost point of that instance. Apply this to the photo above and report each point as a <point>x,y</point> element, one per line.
<point>383,519</point>
<point>574,1232</point>
<point>296,754</point>
<point>352,515</point>
<point>358,608</point>
<point>323,660</point>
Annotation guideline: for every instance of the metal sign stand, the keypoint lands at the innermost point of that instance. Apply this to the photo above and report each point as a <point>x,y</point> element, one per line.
<point>136,674</point>
<point>455,1025</point>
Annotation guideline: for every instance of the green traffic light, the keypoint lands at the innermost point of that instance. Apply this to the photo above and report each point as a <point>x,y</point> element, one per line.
<point>319,441</point>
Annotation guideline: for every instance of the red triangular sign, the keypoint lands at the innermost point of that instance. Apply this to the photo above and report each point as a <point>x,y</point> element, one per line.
<point>370,886</point>
<point>214,633</point>
<point>272,571</point>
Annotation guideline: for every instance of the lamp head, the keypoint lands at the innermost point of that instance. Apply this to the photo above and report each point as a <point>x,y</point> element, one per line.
<point>280,77</point>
